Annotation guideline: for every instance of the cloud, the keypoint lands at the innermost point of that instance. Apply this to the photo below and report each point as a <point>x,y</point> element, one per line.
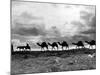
<point>26,19</point>
<point>88,17</point>
<point>18,37</point>
<point>29,32</point>
<point>90,31</point>
<point>80,38</point>
<point>53,32</point>
<point>79,25</point>
<point>93,22</point>
<point>26,15</point>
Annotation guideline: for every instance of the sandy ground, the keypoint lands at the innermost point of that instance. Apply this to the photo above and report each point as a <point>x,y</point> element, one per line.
<point>41,64</point>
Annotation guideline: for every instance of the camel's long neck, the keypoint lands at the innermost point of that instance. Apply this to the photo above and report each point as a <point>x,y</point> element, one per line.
<point>59,43</point>
<point>38,44</point>
<point>28,46</point>
<point>50,44</point>
<point>87,42</point>
<point>74,43</point>
<point>12,46</point>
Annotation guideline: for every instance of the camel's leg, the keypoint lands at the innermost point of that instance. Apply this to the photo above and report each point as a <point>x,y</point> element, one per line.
<point>95,46</point>
<point>57,48</point>
<point>76,47</point>
<point>18,49</point>
<point>83,46</point>
<point>79,47</point>
<point>68,48</point>
<point>89,46</point>
<point>25,49</point>
<point>44,49</point>
<point>22,50</point>
<point>92,46</point>
<point>65,48</point>
<point>62,47</point>
<point>52,48</point>
<point>29,49</point>
<point>41,49</point>
<point>47,49</point>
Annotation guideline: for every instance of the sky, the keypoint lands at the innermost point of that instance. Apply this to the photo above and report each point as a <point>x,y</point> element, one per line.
<point>36,22</point>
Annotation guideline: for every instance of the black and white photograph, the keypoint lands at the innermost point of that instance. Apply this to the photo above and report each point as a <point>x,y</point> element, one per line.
<point>52,37</point>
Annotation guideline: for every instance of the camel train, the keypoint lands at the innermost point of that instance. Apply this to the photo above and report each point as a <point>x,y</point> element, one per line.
<point>55,45</point>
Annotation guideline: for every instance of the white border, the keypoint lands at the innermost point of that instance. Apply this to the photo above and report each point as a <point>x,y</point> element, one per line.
<point>5,36</point>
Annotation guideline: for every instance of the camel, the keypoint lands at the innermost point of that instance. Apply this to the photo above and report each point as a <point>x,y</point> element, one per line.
<point>12,48</point>
<point>27,46</point>
<point>79,44</point>
<point>64,44</point>
<point>91,43</point>
<point>24,47</point>
<point>43,45</point>
<point>53,45</point>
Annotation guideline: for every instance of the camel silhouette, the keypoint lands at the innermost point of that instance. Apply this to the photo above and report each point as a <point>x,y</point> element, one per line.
<point>91,43</point>
<point>24,47</point>
<point>64,44</point>
<point>27,46</point>
<point>12,48</point>
<point>53,45</point>
<point>43,45</point>
<point>79,44</point>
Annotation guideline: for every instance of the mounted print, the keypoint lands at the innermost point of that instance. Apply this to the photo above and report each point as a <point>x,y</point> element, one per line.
<point>52,37</point>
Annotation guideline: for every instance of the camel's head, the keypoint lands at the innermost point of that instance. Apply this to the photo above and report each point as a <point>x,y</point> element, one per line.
<point>86,41</point>
<point>27,44</point>
<point>36,42</point>
<point>92,40</point>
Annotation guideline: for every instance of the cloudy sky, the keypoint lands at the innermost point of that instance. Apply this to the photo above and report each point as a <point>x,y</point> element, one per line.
<point>35,22</point>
